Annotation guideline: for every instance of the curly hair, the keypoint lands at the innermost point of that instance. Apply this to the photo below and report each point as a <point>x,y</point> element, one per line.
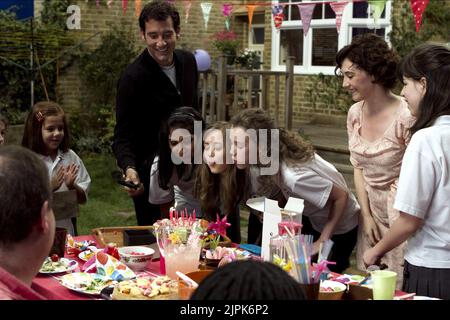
<point>249,280</point>
<point>159,11</point>
<point>432,62</point>
<point>372,54</point>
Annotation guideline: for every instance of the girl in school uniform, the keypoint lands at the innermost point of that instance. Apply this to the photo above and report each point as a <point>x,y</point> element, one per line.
<point>219,186</point>
<point>330,211</point>
<point>46,133</point>
<point>424,186</point>
<point>173,183</point>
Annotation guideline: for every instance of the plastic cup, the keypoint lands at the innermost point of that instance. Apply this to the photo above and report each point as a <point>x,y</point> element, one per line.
<point>383,284</point>
<point>180,257</point>
<point>311,290</point>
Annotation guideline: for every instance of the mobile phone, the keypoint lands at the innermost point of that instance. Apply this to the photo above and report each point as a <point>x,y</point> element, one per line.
<point>118,177</point>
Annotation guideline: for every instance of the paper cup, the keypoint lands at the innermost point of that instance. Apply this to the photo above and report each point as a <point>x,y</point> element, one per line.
<point>383,284</point>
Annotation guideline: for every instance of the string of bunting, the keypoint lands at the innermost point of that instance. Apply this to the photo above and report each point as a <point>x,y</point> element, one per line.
<point>306,10</point>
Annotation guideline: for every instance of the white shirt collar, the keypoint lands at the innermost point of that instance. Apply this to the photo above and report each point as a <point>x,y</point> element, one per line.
<point>442,120</point>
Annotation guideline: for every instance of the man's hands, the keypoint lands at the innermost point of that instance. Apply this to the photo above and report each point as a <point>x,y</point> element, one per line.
<point>132,175</point>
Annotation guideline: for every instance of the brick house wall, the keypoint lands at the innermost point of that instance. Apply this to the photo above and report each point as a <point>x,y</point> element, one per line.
<point>194,36</point>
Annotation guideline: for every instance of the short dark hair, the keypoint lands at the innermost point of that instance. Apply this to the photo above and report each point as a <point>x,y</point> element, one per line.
<point>32,134</point>
<point>24,187</point>
<point>432,62</point>
<point>249,280</point>
<point>159,11</point>
<point>372,54</point>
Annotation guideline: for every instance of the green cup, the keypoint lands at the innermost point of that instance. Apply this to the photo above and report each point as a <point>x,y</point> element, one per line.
<point>383,284</point>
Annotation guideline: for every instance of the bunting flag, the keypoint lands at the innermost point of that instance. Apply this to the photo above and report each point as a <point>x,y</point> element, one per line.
<point>206,9</point>
<point>109,3</point>
<point>418,8</point>
<point>172,2</point>
<point>338,8</point>
<point>124,6</point>
<point>250,10</point>
<point>278,16</point>
<point>97,3</point>
<point>187,8</point>
<point>226,11</point>
<point>306,12</point>
<point>137,8</point>
<point>376,9</point>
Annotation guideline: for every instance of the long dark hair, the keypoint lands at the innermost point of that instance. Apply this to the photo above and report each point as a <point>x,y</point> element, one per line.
<point>180,118</point>
<point>228,188</point>
<point>432,62</point>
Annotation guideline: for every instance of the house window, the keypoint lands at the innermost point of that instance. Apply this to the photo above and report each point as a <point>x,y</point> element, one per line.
<point>316,52</point>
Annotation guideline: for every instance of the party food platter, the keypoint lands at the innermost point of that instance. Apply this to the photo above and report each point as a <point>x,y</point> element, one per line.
<point>87,283</point>
<point>145,288</point>
<point>53,265</point>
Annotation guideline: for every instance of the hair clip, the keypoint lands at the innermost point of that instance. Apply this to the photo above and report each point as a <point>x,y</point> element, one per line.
<point>39,116</point>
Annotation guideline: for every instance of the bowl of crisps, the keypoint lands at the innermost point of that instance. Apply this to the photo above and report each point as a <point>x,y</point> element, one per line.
<point>331,290</point>
<point>136,257</point>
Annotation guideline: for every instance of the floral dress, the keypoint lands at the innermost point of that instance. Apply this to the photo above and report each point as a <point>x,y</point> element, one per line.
<point>380,161</point>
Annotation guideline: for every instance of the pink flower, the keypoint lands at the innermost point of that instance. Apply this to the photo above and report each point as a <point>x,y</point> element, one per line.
<point>219,226</point>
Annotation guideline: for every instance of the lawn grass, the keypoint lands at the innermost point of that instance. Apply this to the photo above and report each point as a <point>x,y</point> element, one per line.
<point>105,199</point>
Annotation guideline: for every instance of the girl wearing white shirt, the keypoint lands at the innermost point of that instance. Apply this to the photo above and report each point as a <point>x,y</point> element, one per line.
<point>423,194</point>
<point>330,212</point>
<point>46,133</point>
<point>173,183</point>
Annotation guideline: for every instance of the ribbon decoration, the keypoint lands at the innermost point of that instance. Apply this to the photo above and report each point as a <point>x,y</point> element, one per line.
<point>306,12</point>
<point>137,8</point>
<point>278,16</point>
<point>226,11</point>
<point>338,8</point>
<point>376,9</point>
<point>206,9</point>
<point>250,9</point>
<point>124,6</point>
<point>109,3</point>
<point>418,8</point>
<point>187,8</point>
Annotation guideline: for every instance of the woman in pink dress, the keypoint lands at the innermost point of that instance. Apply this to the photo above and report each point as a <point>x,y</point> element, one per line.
<point>377,126</point>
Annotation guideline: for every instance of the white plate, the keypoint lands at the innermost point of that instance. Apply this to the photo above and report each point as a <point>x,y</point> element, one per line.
<point>83,255</point>
<point>424,298</point>
<point>67,265</point>
<point>81,282</point>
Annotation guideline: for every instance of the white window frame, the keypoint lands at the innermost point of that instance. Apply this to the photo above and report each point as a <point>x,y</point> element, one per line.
<point>344,37</point>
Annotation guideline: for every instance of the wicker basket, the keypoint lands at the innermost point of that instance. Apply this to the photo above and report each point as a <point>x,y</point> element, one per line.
<point>103,236</point>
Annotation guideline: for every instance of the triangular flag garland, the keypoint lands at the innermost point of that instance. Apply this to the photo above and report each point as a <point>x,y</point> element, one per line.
<point>376,9</point>
<point>206,9</point>
<point>226,11</point>
<point>338,8</point>
<point>306,12</point>
<point>187,8</point>
<point>278,16</point>
<point>418,8</point>
<point>137,8</point>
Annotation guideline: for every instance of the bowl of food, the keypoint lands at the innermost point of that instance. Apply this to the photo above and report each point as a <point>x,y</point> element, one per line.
<point>136,257</point>
<point>331,290</point>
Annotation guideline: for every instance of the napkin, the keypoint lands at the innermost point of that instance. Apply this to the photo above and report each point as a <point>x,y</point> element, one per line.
<point>74,247</point>
<point>108,266</point>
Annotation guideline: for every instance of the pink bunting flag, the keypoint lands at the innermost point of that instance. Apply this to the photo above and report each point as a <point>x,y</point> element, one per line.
<point>418,8</point>
<point>172,2</point>
<point>226,11</point>
<point>187,8</point>
<point>306,12</point>
<point>97,3</point>
<point>278,16</point>
<point>124,6</point>
<point>338,8</point>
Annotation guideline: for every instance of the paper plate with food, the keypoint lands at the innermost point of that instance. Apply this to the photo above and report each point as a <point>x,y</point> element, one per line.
<point>55,264</point>
<point>145,288</point>
<point>86,255</point>
<point>87,283</point>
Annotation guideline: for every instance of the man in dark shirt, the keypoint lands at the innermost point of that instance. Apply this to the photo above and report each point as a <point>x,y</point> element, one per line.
<point>160,80</point>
